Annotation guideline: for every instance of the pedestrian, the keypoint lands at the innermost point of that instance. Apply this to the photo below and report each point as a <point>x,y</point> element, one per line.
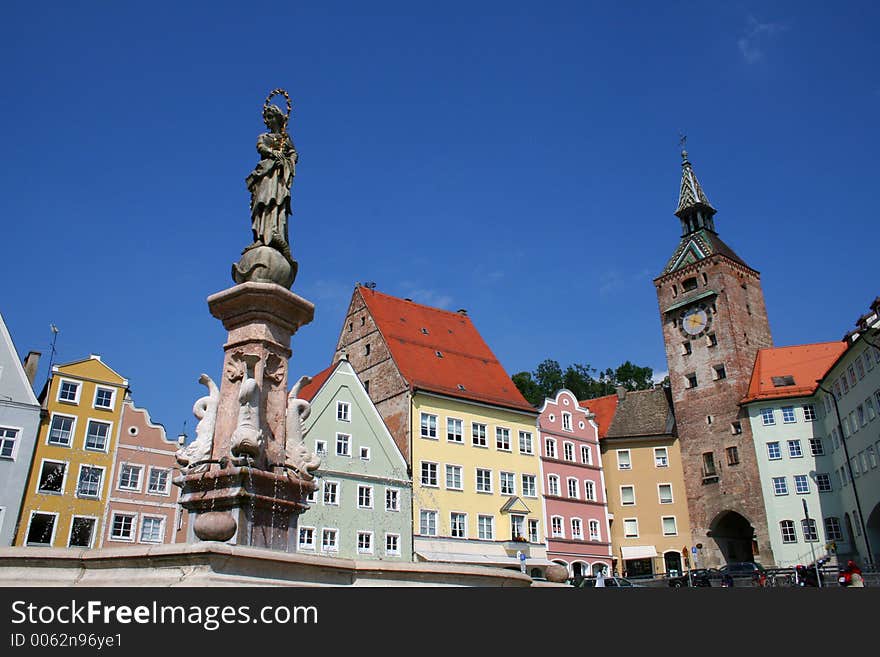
<point>600,579</point>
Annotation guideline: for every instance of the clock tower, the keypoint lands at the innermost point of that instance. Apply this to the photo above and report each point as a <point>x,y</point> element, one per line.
<point>714,322</point>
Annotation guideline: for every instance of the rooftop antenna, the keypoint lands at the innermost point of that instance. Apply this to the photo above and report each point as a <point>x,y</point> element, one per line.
<point>55,332</point>
<point>370,285</point>
<point>682,142</point>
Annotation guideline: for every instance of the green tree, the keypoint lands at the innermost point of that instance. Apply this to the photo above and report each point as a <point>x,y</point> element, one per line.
<point>582,380</point>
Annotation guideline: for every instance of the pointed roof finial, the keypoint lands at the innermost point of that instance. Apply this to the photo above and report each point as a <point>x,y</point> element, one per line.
<point>691,193</point>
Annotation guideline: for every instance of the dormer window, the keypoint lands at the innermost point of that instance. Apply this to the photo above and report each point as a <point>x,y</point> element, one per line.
<point>424,331</point>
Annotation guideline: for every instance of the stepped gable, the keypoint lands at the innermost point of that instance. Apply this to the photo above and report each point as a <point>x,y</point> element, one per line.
<point>782,372</point>
<point>442,352</point>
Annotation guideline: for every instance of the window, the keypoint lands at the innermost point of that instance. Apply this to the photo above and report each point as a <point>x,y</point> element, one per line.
<point>809,413</point>
<point>130,477</point>
<point>429,474</point>
<point>860,369</point>
<point>669,527</point>
<point>816,447</point>
<point>392,545</point>
<point>306,538</point>
<point>329,541</point>
<point>525,443</point>
<point>367,349</point>
<point>594,530</point>
<point>553,485</point>
<point>453,477</point>
<point>96,435</point>
<point>508,483</point>
<point>568,451</point>
<point>809,529</point>
<point>573,487</point>
<point>689,284</point>
<point>343,411</point>
<point>767,416</point>
<point>844,385</point>
<point>665,493</point>
<point>331,493</point>
<point>794,449</point>
<point>89,483</point>
<point>61,430</point>
<point>478,434</point>
<point>428,523</point>
<point>52,477</point>
<point>869,405</point>
<point>709,465</point>
<point>454,430</point>
<point>787,529</point>
<point>365,497</point>
<point>631,527</point>
<point>458,525</point>
<point>556,527</point>
<point>528,486</point>
<point>7,442</point>
<point>577,530</point>
<point>41,530</point>
<point>788,415</point>
<point>321,447</point>
<point>486,527</point>
<point>627,495</point>
<point>832,529</point>
<point>122,527</point>
<point>732,455</point>
<point>736,428</point>
<point>566,421</point>
<point>711,340</point>
<point>823,482</point>
<point>860,411</point>
<point>484,481</point>
<point>835,440</point>
<point>661,457</point>
<point>104,398</point>
<point>392,499</point>
<point>367,386</point>
<point>159,481</point>
<point>550,448</point>
<point>365,453</point>
<point>836,389</point>
<point>533,530</point>
<point>429,425</point>
<point>586,455</point>
<point>852,375</point>
<point>623,462</point>
<point>691,380</point>
<point>589,491</point>
<point>872,457</point>
<point>801,484</point>
<point>779,486</point>
<point>686,349</point>
<point>152,529</point>
<point>343,444</point>
<point>82,532</point>
<point>502,439</point>
<point>365,541</point>
<point>68,392</point>
<point>773,451</point>
<point>720,372</point>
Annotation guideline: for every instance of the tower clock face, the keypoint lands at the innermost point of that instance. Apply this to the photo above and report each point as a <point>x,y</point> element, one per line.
<point>694,321</point>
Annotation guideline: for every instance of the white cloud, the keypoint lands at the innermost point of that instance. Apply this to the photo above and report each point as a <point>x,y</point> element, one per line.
<point>757,34</point>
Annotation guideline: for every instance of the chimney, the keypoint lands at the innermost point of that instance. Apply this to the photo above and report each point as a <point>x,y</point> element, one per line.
<point>30,366</point>
<point>621,393</point>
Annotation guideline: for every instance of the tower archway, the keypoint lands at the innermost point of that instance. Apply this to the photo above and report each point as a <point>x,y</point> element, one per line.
<point>734,535</point>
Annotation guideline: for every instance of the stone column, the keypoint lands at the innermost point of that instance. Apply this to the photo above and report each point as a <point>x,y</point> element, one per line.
<point>248,493</point>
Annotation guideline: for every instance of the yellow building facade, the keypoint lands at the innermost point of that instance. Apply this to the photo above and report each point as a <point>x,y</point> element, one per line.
<point>477,489</point>
<point>69,482</point>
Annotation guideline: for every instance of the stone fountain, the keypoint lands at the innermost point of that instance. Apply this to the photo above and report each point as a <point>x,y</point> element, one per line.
<point>246,475</point>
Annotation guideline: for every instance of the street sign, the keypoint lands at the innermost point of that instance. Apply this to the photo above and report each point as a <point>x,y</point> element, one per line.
<point>694,550</point>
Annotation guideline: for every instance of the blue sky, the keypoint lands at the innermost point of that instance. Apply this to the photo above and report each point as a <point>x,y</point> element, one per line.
<point>519,160</point>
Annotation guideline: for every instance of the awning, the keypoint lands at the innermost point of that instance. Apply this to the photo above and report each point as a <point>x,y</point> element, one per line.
<point>686,301</point>
<point>478,559</point>
<point>637,552</point>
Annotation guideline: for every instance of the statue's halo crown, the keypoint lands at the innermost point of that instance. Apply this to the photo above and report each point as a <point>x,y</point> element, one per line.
<point>272,94</point>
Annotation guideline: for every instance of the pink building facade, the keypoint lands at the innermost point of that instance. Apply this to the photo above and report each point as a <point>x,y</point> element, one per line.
<point>575,508</point>
<point>143,506</point>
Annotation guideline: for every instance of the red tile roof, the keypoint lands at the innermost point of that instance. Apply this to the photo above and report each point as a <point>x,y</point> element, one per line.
<point>604,409</point>
<point>441,351</point>
<point>308,391</point>
<point>805,363</point>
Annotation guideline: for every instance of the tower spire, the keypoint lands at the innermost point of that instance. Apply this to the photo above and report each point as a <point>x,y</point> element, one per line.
<point>694,209</point>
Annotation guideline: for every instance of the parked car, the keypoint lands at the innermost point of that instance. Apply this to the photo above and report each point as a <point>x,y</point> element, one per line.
<point>743,569</point>
<point>610,581</point>
<point>699,576</point>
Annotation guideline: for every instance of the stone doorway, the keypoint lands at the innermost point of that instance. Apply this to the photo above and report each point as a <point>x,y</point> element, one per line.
<point>733,535</point>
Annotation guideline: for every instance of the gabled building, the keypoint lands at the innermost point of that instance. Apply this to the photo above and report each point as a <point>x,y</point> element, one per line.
<point>714,321</point>
<point>575,509</point>
<point>19,421</point>
<point>363,506</point>
<point>142,504</point>
<point>644,479</point>
<point>793,449</point>
<point>466,432</point>
<point>69,480</point>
